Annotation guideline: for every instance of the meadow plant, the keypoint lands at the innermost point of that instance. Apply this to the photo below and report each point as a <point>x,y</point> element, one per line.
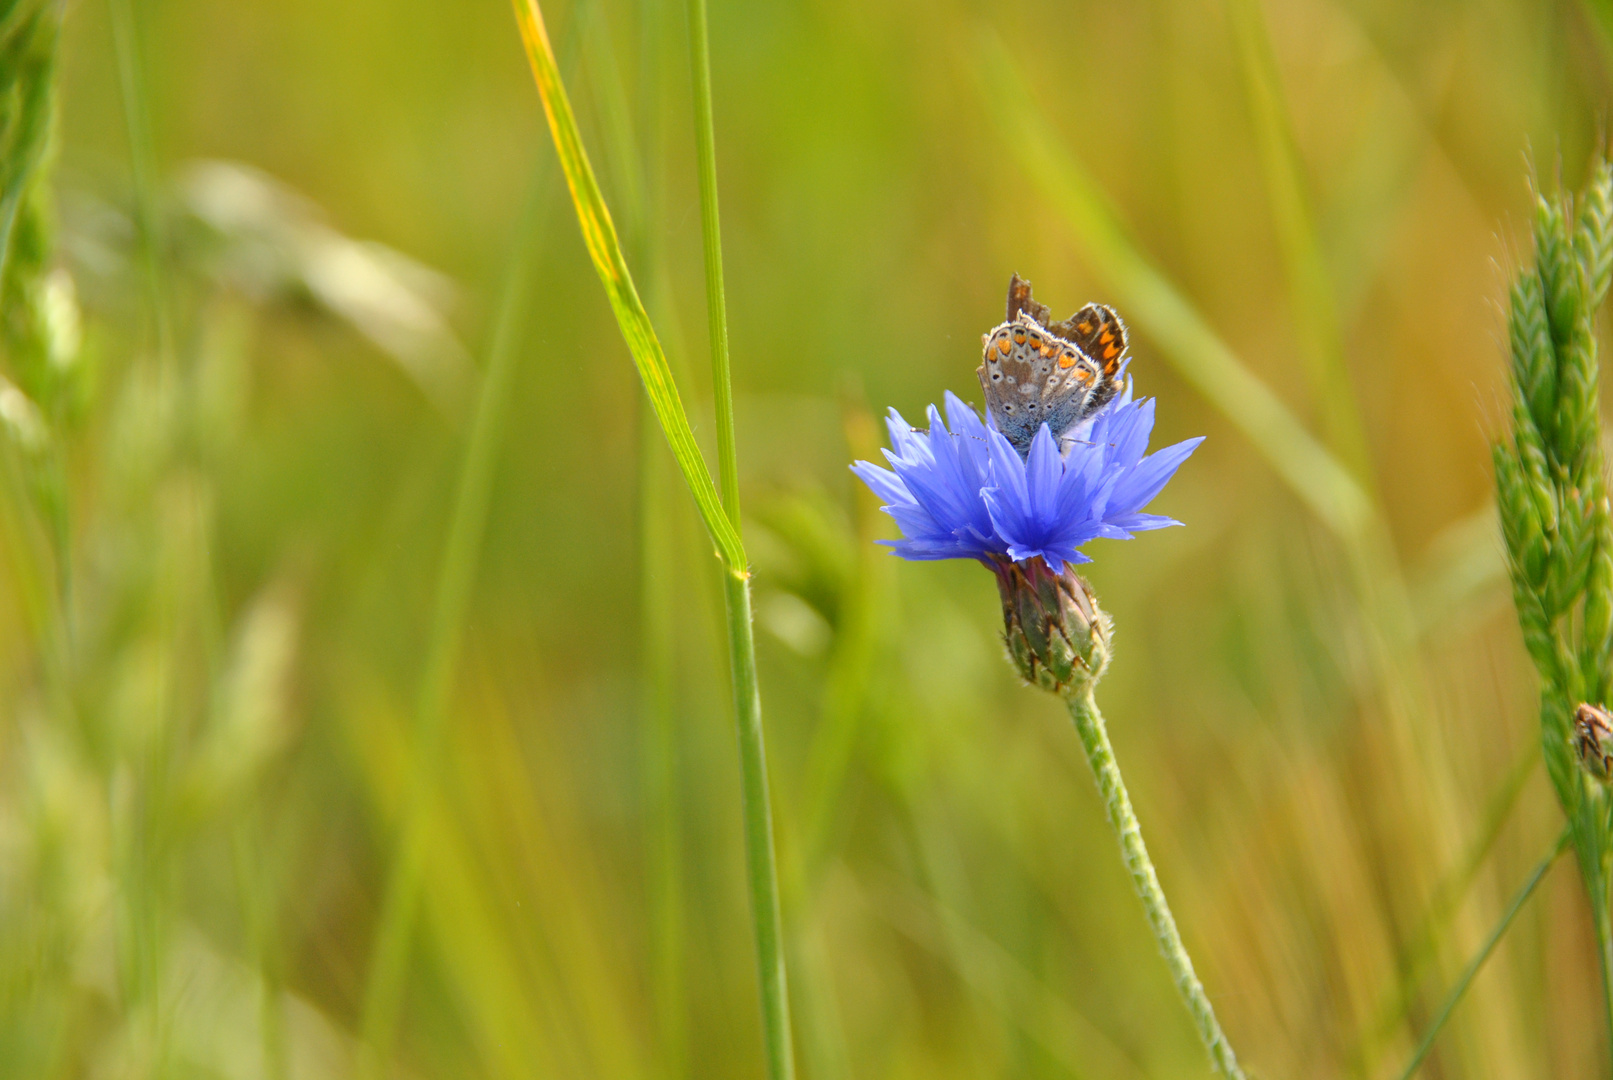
<point>961,490</point>
<point>1553,504</point>
<point>720,513</point>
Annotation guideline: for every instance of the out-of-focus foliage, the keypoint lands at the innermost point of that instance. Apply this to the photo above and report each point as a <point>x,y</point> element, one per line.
<point>224,512</point>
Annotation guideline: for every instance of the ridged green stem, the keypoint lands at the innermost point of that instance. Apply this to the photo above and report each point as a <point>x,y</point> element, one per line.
<point>1117,804</point>
<point>760,859</point>
<point>722,389</point>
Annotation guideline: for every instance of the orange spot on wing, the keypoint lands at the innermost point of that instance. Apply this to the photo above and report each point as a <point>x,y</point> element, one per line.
<point>1067,360</point>
<point>1003,346</point>
<point>1019,337</point>
<point>1084,328</point>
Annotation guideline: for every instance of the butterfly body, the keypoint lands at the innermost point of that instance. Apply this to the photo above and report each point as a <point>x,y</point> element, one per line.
<point>1036,371</point>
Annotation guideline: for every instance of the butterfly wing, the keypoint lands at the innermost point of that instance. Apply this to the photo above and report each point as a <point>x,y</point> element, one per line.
<point>1019,299</point>
<point>1097,331</point>
<point>1031,378</point>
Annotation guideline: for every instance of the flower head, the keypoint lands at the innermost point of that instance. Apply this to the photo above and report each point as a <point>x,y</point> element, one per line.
<point>962,491</point>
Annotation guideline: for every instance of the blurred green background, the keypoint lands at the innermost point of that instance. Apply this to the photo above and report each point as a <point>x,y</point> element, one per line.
<point>210,669</point>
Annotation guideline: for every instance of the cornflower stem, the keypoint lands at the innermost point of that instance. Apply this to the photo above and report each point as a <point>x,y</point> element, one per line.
<point>1117,804</point>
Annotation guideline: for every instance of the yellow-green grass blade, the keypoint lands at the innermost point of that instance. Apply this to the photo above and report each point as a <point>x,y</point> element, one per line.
<point>604,248</point>
<point>389,958</point>
<point>1311,293</point>
<point>143,170</point>
<point>631,130</point>
<point>1150,299</point>
<point>1472,970</point>
<point>1423,943</point>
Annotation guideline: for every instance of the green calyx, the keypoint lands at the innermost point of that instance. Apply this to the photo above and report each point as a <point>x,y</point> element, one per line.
<point>1058,638</point>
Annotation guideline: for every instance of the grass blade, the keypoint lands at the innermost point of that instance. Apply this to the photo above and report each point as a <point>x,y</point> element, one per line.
<point>1422,948</point>
<point>1311,294</point>
<point>461,554</point>
<point>711,235</point>
<point>761,861</point>
<point>599,234</point>
<point>1477,962</point>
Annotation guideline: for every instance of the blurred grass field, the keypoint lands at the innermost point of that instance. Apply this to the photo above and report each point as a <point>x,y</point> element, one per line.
<point>1306,210</point>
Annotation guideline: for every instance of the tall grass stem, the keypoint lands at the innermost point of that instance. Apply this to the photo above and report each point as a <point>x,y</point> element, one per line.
<point>721,520</point>
<point>760,858</point>
<point>461,554</point>
<point>711,235</point>
<point>143,170</point>
<point>1604,953</point>
<point>1117,804</point>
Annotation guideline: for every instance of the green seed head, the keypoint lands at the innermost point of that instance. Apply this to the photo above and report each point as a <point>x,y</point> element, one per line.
<point>1534,361</point>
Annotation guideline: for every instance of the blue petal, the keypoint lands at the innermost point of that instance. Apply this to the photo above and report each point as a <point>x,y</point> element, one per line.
<point>1043,469</point>
<point>1142,522</point>
<point>1133,426</point>
<point>960,490</point>
<point>1138,489</point>
<point>884,483</point>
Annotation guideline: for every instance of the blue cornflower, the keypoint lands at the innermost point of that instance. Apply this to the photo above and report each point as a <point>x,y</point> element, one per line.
<point>963,492</point>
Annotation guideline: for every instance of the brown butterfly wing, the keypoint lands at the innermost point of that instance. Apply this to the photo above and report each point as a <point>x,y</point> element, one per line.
<point>1097,331</point>
<point>1019,299</point>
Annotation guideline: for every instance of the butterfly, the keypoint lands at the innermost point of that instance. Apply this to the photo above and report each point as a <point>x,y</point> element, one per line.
<point>1036,371</point>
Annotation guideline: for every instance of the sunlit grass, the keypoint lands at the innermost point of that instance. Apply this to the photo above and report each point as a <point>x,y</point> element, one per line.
<point>224,611</point>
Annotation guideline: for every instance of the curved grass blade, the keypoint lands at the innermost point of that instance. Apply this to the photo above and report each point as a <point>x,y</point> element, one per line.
<point>599,234</point>
<point>604,248</point>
